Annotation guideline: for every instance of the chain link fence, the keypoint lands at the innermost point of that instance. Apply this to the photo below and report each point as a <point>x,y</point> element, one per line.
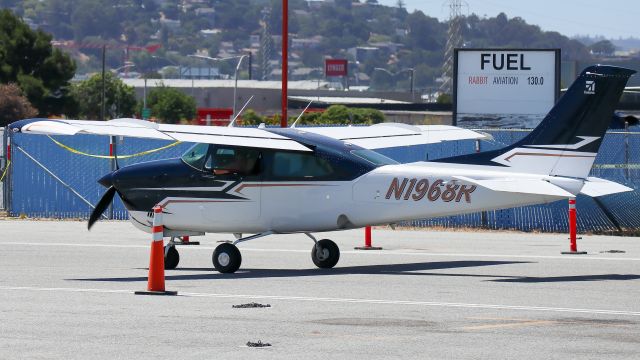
<point>3,169</point>
<point>48,180</point>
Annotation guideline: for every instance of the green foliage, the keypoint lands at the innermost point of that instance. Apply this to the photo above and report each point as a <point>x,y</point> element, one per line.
<point>170,105</point>
<point>340,114</point>
<point>27,58</point>
<point>603,47</point>
<point>444,99</point>
<point>120,99</point>
<point>13,105</point>
<point>333,115</point>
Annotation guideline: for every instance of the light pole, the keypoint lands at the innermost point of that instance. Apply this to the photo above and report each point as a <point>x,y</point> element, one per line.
<point>235,75</point>
<point>394,74</point>
<point>117,70</point>
<point>169,61</point>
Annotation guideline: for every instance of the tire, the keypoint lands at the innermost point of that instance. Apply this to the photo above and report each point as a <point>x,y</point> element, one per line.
<point>328,256</point>
<point>226,258</point>
<point>171,258</point>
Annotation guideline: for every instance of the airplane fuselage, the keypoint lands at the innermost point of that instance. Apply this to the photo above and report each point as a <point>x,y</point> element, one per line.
<point>340,187</point>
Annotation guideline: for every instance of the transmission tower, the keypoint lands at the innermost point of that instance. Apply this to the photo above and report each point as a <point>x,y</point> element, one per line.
<point>265,44</point>
<point>454,40</point>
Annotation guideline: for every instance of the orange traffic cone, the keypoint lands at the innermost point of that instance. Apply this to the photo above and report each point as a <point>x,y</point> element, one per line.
<point>155,285</point>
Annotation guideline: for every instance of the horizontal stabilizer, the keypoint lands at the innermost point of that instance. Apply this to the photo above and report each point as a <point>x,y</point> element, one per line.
<point>595,187</point>
<point>521,186</point>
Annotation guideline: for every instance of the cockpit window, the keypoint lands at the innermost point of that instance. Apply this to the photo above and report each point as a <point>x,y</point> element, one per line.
<point>196,155</point>
<point>373,157</point>
<point>300,165</point>
<point>231,160</point>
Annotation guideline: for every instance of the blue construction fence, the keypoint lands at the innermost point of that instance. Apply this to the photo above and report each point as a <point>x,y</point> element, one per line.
<point>55,177</point>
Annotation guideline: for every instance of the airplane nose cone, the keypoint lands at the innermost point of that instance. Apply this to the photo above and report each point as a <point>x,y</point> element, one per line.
<point>107,180</point>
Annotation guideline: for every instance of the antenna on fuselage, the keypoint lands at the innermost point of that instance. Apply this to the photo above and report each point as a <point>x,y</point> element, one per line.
<point>302,113</point>
<point>240,112</point>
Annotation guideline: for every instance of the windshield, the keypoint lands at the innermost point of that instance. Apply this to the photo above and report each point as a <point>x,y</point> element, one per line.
<point>373,157</point>
<point>196,155</point>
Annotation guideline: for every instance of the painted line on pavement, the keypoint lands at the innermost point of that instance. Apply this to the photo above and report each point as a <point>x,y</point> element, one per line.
<point>344,300</point>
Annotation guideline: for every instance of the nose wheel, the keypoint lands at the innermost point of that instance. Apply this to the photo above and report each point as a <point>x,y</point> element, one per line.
<point>226,258</point>
<point>171,257</point>
<point>325,254</point>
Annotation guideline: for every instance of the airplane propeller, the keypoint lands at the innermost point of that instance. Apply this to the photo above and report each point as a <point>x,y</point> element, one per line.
<point>102,205</point>
<point>107,197</point>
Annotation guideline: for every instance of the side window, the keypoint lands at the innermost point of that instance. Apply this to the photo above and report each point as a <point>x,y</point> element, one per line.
<point>230,160</point>
<point>300,165</point>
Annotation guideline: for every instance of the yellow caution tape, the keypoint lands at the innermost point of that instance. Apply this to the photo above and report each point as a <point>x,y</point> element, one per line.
<point>108,156</point>
<point>6,169</point>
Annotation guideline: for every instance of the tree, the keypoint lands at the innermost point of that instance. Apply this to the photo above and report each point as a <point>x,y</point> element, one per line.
<point>13,105</point>
<point>170,105</point>
<point>604,47</point>
<point>27,59</point>
<point>120,99</point>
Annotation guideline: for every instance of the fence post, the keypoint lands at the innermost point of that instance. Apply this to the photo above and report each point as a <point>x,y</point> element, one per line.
<point>8,188</point>
<point>626,150</point>
<point>483,214</point>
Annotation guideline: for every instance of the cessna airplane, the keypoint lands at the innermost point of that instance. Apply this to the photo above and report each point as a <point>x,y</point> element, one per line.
<point>265,181</point>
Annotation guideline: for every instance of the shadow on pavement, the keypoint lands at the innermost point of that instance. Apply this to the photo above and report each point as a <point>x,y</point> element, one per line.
<point>601,277</point>
<point>385,269</point>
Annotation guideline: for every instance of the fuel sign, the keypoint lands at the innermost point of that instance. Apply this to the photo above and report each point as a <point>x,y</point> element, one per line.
<point>490,82</point>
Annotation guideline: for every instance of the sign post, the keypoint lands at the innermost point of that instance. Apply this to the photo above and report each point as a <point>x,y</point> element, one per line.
<point>336,67</point>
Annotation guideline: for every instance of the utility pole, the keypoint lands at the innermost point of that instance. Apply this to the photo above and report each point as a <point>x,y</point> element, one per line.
<point>285,64</point>
<point>102,109</point>
<point>454,40</point>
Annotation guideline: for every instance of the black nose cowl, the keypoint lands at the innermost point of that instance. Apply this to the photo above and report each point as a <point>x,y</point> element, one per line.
<point>107,180</point>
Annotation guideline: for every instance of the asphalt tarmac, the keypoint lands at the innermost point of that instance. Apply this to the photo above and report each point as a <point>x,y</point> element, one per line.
<point>66,293</point>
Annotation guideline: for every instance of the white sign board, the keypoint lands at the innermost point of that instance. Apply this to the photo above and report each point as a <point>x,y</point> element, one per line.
<point>505,81</point>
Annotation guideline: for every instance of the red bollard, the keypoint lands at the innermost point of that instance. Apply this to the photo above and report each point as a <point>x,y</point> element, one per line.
<point>367,241</point>
<point>184,240</point>
<point>155,285</point>
<point>573,230</point>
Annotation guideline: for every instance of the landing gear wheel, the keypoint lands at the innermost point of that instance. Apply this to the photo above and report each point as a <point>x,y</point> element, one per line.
<point>171,257</point>
<point>325,254</point>
<point>226,258</point>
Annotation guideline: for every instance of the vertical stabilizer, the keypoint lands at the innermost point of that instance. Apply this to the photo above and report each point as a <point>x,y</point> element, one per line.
<point>567,140</point>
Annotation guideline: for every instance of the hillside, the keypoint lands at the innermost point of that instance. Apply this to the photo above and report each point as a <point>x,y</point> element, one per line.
<point>368,34</point>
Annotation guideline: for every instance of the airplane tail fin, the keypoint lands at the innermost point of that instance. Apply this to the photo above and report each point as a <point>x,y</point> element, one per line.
<point>567,140</point>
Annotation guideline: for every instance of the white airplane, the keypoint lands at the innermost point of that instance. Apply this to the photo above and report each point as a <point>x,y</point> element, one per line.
<point>265,181</point>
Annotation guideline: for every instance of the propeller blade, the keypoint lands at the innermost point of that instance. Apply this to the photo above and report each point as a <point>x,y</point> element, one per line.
<point>102,205</point>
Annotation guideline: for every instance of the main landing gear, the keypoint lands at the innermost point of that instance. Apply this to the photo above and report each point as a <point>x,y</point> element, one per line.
<point>227,259</point>
<point>325,253</point>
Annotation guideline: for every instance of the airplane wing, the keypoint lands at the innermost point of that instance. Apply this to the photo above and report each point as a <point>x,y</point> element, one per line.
<point>385,135</point>
<point>370,137</point>
<point>249,137</point>
<point>522,186</point>
<point>595,187</point>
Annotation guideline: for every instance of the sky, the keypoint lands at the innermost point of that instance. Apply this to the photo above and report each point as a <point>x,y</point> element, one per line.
<point>610,18</point>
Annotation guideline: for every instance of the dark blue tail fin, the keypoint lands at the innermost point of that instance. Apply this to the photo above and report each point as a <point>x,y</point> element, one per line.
<point>565,143</point>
